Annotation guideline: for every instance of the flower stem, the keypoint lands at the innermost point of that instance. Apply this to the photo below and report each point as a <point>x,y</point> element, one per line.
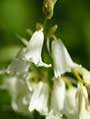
<point>77,76</point>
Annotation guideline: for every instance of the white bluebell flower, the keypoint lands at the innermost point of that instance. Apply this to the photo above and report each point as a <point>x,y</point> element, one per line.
<point>30,54</point>
<point>34,49</point>
<point>58,96</point>
<point>20,94</point>
<point>70,107</point>
<point>82,103</point>
<point>39,99</point>
<point>61,58</point>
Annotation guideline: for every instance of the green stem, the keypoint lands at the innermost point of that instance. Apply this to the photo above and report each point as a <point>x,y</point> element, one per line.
<point>67,81</point>
<point>77,76</point>
<point>45,23</point>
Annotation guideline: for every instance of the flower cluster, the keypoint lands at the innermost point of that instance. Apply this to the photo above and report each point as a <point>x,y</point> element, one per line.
<point>64,93</point>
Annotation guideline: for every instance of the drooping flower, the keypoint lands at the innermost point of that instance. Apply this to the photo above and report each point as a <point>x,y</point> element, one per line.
<point>34,49</point>
<point>39,99</point>
<point>70,108</point>
<point>58,96</point>
<point>23,96</point>
<point>61,58</point>
<point>82,103</point>
<point>20,94</point>
<point>30,54</point>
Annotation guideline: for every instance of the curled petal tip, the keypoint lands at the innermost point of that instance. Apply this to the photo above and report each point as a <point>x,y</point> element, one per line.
<point>44,64</point>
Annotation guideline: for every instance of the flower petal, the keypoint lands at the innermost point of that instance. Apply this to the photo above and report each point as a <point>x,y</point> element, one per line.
<point>34,49</point>
<point>82,98</point>
<point>58,95</point>
<point>61,58</point>
<point>20,94</point>
<point>39,99</point>
<point>21,97</point>
<point>18,65</point>
<point>70,109</point>
<point>85,114</point>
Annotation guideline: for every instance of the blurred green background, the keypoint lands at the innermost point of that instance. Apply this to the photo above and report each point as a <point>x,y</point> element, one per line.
<point>72,17</point>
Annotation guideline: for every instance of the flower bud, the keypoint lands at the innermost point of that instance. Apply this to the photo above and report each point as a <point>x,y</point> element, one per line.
<point>48,8</point>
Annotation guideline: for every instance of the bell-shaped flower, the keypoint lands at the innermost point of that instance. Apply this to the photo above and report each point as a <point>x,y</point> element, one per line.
<point>82,103</point>
<point>20,94</point>
<point>32,53</point>
<point>22,97</point>
<point>70,108</point>
<point>39,99</point>
<point>61,58</point>
<point>34,49</point>
<point>58,96</point>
